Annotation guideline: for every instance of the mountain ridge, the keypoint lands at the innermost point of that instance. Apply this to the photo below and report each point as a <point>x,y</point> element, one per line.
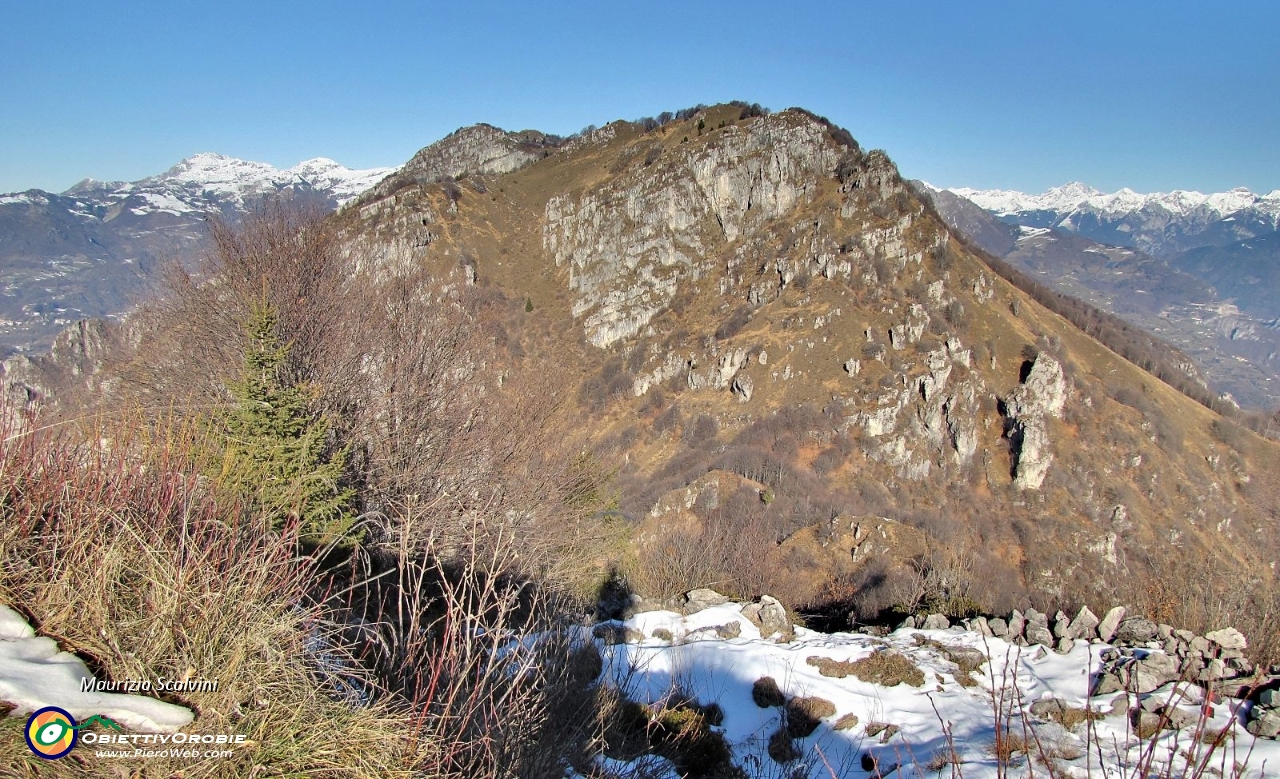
<point>1207,299</point>
<point>758,296</point>
<point>94,249</point>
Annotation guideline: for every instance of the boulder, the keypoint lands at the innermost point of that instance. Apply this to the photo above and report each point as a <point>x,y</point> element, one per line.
<point>730,630</point>
<point>1085,625</point>
<point>1164,717</point>
<point>1107,682</point>
<point>1017,624</point>
<point>1192,666</point>
<point>1039,634</point>
<point>1216,670</point>
<point>1050,708</point>
<point>1107,627</point>
<point>613,633</point>
<point>998,627</point>
<point>1264,723</point>
<point>1135,630</point>
<point>697,600</point>
<point>1227,638</point>
<point>979,625</point>
<point>936,622</point>
<point>770,616</point>
<point>1152,672</point>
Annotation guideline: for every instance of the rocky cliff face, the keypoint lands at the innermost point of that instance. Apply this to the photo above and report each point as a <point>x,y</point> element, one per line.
<point>632,243</point>
<point>1041,395</point>
<point>71,369</point>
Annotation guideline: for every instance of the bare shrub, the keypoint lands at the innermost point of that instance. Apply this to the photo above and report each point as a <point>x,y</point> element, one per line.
<point>704,429</point>
<point>436,625</point>
<point>734,324</point>
<point>940,582</point>
<point>192,337</point>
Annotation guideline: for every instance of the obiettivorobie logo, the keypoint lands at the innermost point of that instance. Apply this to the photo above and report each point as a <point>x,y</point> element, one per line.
<point>52,732</point>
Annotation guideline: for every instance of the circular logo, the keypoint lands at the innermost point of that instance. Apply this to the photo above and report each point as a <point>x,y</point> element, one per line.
<point>51,733</point>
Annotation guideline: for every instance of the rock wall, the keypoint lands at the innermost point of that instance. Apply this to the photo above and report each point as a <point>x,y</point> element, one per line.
<point>632,242</point>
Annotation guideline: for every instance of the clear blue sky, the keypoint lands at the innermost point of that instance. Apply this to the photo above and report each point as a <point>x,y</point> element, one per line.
<point>1026,95</point>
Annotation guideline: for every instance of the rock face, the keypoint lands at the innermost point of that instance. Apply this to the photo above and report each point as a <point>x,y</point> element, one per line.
<point>75,359</point>
<point>480,148</point>
<point>633,242</point>
<point>1042,394</point>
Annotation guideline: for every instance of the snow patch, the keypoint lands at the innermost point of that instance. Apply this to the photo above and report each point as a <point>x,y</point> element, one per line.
<point>34,673</point>
<point>688,657</point>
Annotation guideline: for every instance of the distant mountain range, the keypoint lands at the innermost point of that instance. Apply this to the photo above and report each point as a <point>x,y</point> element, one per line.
<point>1201,271</point>
<point>1161,224</point>
<point>92,250</point>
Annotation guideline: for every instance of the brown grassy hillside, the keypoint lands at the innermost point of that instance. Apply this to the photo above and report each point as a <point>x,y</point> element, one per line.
<point>758,295</point>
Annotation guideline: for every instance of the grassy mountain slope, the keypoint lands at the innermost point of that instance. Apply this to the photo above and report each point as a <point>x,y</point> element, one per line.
<point>757,295</point>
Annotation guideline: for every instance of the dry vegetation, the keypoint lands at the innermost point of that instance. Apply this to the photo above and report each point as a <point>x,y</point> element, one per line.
<point>475,523</point>
<point>500,466</point>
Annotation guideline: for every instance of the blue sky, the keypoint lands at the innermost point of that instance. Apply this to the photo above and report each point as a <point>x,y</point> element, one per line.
<point>1154,96</point>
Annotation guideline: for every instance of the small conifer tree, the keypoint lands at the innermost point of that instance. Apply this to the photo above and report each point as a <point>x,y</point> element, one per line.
<point>274,450</point>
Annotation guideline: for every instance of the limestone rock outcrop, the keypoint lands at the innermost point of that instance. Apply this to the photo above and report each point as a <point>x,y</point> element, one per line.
<point>1041,395</point>
<point>631,243</point>
<point>478,149</point>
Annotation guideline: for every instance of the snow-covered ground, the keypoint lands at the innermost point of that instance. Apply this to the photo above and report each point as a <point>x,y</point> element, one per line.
<point>695,661</point>
<point>34,673</point>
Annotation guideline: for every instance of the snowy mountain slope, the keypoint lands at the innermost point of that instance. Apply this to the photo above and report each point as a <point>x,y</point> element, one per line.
<point>1161,223</point>
<point>91,250</point>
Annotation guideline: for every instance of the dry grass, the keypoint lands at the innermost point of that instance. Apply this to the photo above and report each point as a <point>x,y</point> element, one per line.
<point>766,694</point>
<point>1007,745</point>
<point>111,545</point>
<point>885,668</point>
<point>116,551</point>
<point>803,715</point>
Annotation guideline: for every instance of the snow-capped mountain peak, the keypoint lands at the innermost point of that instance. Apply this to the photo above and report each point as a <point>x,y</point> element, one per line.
<point>190,185</point>
<point>216,169</point>
<point>1078,196</point>
<point>1161,223</point>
